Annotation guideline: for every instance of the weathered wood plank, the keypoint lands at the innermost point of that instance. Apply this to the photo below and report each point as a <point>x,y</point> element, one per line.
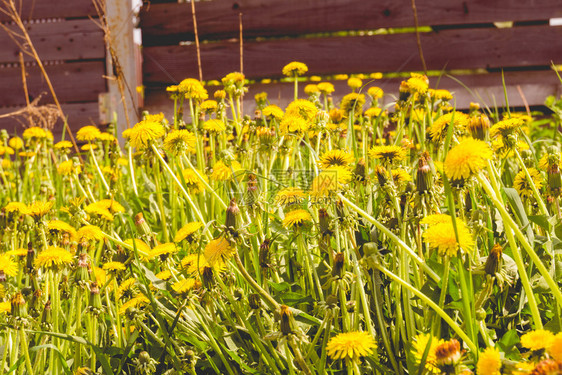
<point>61,40</point>
<point>73,82</point>
<point>79,114</point>
<point>41,9</point>
<point>450,49</point>
<point>487,89</point>
<point>262,18</point>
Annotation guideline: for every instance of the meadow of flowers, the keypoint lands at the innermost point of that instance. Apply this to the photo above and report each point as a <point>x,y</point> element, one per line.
<point>320,238</point>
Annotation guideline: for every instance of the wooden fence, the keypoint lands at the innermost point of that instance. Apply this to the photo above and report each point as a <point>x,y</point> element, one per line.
<point>462,36</point>
<point>72,49</point>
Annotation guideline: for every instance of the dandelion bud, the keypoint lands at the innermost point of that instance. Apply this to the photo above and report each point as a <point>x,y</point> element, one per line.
<point>554,181</point>
<point>332,301</point>
<point>2,276</point>
<point>424,176</point>
<point>404,91</point>
<point>231,212</point>
<point>142,225</point>
<point>83,269</point>
<point>254,301</point>
<point>324,222</point>
<point>30,258</point>
<point>95,298</point>
<point>448,353</point>
<point>264,253</point>
<point>339,260</point>
<point>493,263</point>
<point>340,211</point>
<point>380,173</point>
<point>35,300</point>
<point>350,306</point>
<point>46,315</point>
<point>474,106</point>
<point>479,126</point>
<point>286,320</point>
<point>17,306</point>
<point>360,170</point>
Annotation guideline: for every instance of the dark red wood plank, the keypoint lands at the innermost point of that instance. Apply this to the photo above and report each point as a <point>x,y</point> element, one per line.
<point>62,40</point>
<point>79,114</point>
<point>450,49</point>
<point>40,9</point>
<point>73,82</point>
<point>219,19</point>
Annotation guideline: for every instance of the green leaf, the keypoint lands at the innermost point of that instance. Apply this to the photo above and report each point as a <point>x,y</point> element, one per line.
<point>541,220</point>
<point>508,344</point>
<point>517,207</point>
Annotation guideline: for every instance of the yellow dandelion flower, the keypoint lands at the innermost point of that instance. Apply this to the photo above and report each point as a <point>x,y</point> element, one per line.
<point>35,132</point>
<point>294,69</point>
<point>183,286</point>
<point>505,127</point>
<point>434,219</point>
<point>193,89</point>
<point>523,186</point>
<point>88,133</point>
<point>127,288</point>
<point>6,150</point>
<point>100,275</point>
<point>209,106</point>
<point>353,101</point>
<point>187,230</point>
<point>218,251</point>
<point>354,82</point>
<point>219,95</point>
<point>555,348</point>
<point>137,302</point>
<point>16,143</point>
<point>112,205</point>
<point>373,112</point>
<point>419,347</point>
<point>59,227</point>
<point>296,218</point>
<point>223,172</point>
<point>101,212</point>
<point>375,92</point>
<point>140,245</point>
<point>336,157</point>
<point>273,111</point>
<point>340,77</point>
<point>417,84</point>
<point>442,238</point>
<point>145,132</point>
<point>467,158</point>
<point>537,339</point>
<point>329,181</point>
<point>233,78</point>
<point>400,176</point>
<point>16,207</point>
<point>311,89</point>
<point>7,265</point>
<point>302,108</point>
<point>68,167</point>
<point>164,275</point>
<point>489,362</point>
<point>214,125</point>
<point>440,94</point>
<point>5,307</point>
<point>293,124</point>
<point>548,367</point>
<point>163,250</point>
<point>53,258</point>
<point>438,130</point>
<point>114,267</point>
<point>89,233</point>
<point>289,196</point>
<point>388,154</point>
<point>20,252</point>
<point>156,117</point>
<point>326,88</point>
<point>63,145</point>
<point>88,147</point>
<point>192,182</point>
<point>106,137</point>
<point>351,345</point>
<point>39,209</point>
